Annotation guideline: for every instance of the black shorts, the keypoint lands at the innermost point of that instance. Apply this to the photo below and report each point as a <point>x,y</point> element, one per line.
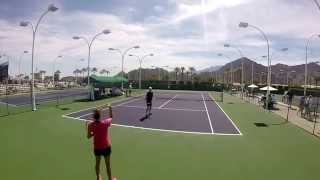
<point>103,152</point>
<point>149,103</point>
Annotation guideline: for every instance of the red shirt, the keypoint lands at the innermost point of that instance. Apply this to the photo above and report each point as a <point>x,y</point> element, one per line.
<point>99,130</point>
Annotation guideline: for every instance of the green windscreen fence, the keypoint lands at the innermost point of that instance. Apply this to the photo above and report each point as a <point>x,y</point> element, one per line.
<point>179,85</point>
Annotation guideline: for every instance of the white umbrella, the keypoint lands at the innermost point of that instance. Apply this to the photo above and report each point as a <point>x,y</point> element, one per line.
<point>252,86</point>
<point>270,88</point>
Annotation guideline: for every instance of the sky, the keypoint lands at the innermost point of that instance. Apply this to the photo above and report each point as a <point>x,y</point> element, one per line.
<point>187,33</point>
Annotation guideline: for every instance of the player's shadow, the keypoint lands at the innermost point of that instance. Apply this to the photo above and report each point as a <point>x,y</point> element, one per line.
<point>64,108</point>
<point>147,116</point>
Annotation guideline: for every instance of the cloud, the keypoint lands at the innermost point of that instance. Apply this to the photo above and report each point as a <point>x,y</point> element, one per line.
<point>158,8</point>
<point>188,10</point>
<point>192,35</point>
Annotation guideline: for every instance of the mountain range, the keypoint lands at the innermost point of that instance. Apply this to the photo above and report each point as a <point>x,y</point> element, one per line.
<point>281,73</point>
<point>210,69</point>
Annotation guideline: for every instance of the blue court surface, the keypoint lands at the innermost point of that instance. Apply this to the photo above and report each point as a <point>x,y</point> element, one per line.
<point>180,112</point>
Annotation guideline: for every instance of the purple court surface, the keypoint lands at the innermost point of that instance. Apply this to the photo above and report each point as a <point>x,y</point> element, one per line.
<point>179,112</point>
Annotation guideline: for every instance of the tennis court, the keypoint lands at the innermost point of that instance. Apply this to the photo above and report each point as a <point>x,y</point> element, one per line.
<point>182,112</point>
<point>43,97</point>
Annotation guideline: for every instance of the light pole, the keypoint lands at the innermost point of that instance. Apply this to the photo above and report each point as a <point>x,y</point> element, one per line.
<point>252,73</point>
<point>159,70</point>
<point>123,54</point>
<point>252,67</point>
<point>54,65</point>
<point>288,74</point>
<point>285,76</point>
<point>242,65</point>
<point>272,55</point>
<point>271,58</point>
<point>111,69</point>
<point>231,64</point>
<point>51,8</point>
<point>306,64</point>
<point>245,25</point>
<point>24,52</point>
<point>140,63</point>
<point>76,66</point>
<point>262,73</point>
<point>89,43</point>
<point>169,72</point>
<point>317,4</point>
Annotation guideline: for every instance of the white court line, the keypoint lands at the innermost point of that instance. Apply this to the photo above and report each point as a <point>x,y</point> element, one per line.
<point>190,110</point>
<point>163,130</point>
<point>8,104</point>
<point>141,107</point>
<point>143,128</point>
<point>92,108</point>
<point>173,109</point>
<point>155,129</point>
<point>165,103</point>
<point>227,134</point>
<point>209,119</point>
<point>69,117</point>
<point>79,111</point>
<point>84,115</point>
<point>127,102</point>
<point>227,116</point>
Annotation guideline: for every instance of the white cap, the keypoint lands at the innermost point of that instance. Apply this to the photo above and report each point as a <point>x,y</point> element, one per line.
<point>150,87</point>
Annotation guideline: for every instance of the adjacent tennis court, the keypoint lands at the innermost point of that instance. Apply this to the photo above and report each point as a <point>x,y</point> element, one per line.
<point>182,112</point>
<point>43,97</point>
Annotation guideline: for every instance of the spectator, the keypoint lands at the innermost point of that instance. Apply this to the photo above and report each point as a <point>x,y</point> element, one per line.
<point>301,105</point>
<point>308,106</point>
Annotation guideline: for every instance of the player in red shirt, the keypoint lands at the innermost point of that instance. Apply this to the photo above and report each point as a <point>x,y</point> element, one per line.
<point>98,129</point>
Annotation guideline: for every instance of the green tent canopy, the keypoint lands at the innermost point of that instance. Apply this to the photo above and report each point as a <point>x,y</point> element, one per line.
<point>102,81</point>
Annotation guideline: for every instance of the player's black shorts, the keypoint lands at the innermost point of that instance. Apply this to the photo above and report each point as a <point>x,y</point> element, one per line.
<point>103,152</point>
<point>149,103</point>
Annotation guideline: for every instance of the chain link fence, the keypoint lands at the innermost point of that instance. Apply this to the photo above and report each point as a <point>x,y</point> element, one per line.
<point>16,98</point>
<point>303,115</point>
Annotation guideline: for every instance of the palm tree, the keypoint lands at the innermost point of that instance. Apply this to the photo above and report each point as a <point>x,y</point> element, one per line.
<point>182,74</point>
<point>42,74</point>
<point>83,70</point>
<point>192,70</point>
<point>102,72</point>
<point>177,70</point>
<point>94,70</point>
<point>79,71</point>
<point>187,75</point>
<point>76,72</point>
<point>58,72</point>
